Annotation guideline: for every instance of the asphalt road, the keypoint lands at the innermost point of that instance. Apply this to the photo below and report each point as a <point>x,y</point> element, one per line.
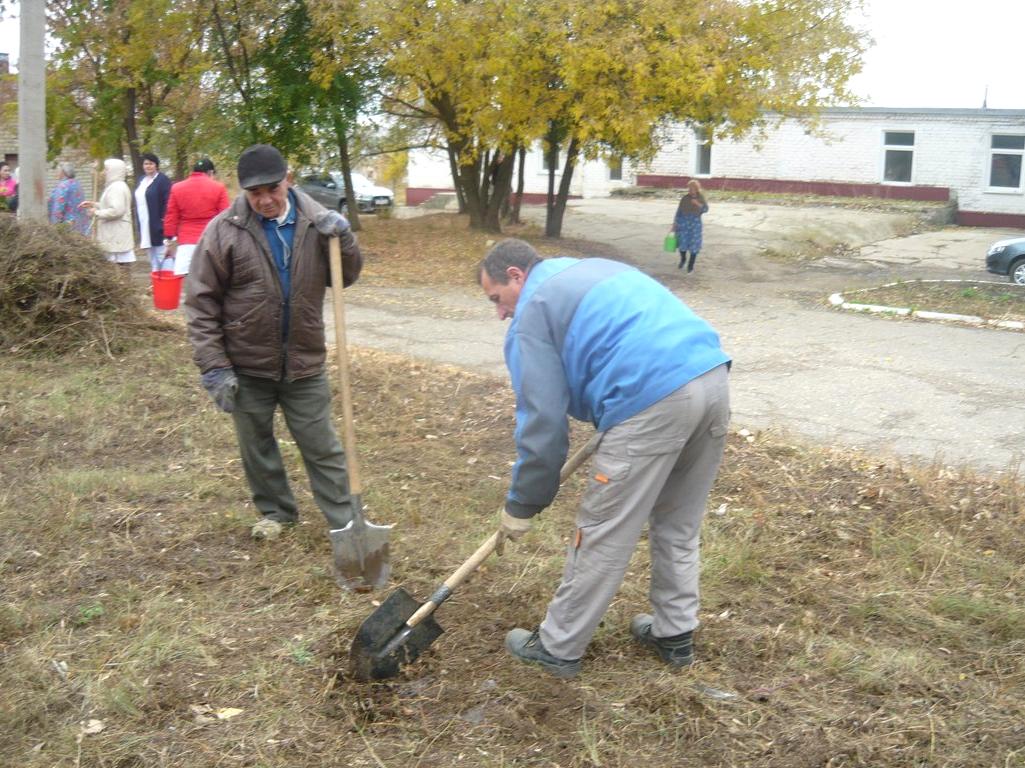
<point>896,388</point>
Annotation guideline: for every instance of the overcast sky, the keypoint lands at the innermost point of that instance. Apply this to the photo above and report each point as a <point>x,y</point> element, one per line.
<point>928,53</point>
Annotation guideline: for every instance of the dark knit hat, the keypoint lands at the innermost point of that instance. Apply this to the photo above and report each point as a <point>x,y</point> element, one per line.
<point>260,164</point>
<point>203,166</point>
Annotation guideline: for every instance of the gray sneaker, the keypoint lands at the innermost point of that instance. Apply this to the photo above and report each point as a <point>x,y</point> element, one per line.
<point>527,646</point>
<point>267,529</point>
<point>677,651</point>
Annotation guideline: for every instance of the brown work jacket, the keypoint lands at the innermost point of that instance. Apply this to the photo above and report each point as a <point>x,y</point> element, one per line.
<point>235,304</point>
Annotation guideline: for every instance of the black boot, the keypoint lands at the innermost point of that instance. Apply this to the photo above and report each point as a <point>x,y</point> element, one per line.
<point>675,651</point>
<point>683,259</point>
<point>693,258</point>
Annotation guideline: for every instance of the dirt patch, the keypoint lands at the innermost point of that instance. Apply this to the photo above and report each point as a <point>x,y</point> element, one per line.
<point>990,301</point>
<point>442,250</point>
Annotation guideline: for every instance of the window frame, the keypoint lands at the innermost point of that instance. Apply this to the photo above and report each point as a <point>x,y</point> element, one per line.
<point>886,148</point>
<point>992,151</point>
<point>544,161</point>
<point>702,145</point>
<point>615,164</point>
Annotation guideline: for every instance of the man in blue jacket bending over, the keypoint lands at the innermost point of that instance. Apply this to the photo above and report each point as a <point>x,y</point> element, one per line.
<point>602,342</point>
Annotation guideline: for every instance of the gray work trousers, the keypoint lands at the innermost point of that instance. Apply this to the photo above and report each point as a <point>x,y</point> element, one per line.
<point>657,467</point>
<point>306,404</point>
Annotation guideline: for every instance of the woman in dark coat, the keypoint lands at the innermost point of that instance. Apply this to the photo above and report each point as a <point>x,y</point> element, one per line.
<point>687,223</point>
<point>151,194</point>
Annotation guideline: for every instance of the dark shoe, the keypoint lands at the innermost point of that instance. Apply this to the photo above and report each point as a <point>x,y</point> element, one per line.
<point>690,267</point>
<point>677,651</point>
<point>683,260</point>
<point>526,646</point>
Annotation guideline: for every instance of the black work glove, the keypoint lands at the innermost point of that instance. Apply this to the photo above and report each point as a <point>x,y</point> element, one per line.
<point>222,385</point>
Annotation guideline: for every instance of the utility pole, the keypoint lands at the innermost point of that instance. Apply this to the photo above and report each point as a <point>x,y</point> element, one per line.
<point>32,112</point>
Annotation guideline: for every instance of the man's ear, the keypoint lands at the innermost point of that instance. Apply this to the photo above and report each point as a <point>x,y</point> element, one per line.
<point>515,273</point>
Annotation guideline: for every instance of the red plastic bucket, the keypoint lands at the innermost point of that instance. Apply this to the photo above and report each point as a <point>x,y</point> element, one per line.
<point>167,289</point>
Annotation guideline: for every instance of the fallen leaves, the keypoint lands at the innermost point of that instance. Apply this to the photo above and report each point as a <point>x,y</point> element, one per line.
<point>203,713</point>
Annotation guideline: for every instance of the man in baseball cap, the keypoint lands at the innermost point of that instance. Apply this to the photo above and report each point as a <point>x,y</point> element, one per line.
<point>259,165</point>
<point>254,318</point>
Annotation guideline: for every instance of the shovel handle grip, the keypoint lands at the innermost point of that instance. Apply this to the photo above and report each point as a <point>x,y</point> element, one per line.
<point>484,551</point>
<point>342,349</point>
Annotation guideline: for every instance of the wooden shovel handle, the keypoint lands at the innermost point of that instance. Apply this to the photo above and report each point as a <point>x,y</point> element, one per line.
<point>342,347</point>
<point>484,551</point>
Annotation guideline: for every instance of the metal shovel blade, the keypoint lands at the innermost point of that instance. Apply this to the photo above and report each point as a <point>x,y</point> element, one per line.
<point>362,555</point>
<point>384,643</point>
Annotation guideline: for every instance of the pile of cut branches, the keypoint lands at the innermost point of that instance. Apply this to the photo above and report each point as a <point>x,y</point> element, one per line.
<point>58,294</point>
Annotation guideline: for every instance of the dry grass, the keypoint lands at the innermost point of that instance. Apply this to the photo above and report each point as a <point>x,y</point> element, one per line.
<point>864,614</point>
<point>58,294</point>
<point>441,249</point>
<point>988,300</point>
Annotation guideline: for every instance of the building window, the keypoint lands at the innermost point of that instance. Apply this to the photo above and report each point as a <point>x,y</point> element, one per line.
<point>615,168</point>
<point>898,156</point>
<point>544,160</point>
<point>1005,162</point>
<point>703,152</point>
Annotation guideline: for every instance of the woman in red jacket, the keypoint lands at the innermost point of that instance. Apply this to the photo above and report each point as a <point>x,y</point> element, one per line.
<point>193,203</point>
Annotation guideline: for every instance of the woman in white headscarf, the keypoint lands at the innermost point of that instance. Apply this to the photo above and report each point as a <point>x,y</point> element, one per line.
<point>113,214</point>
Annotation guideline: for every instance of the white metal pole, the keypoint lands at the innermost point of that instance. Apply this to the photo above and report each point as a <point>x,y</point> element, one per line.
<point>32,112</point>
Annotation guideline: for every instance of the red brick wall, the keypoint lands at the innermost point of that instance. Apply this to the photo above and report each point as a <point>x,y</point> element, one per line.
<point>837,189</point>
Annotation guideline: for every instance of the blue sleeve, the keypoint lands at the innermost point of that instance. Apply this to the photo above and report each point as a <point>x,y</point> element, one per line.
<point>542,427</point>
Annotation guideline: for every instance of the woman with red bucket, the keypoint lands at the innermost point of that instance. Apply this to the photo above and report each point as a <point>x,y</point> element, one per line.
<point>193,203</point>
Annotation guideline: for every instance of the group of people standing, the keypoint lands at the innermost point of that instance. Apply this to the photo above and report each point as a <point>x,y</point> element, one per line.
<point>171,217</point>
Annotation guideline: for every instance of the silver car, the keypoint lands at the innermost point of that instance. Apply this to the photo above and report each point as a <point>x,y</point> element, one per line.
<point>328,189</point>
<point>1007,257</point>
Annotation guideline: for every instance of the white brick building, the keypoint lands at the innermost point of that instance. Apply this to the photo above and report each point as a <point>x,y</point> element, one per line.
<point>971,156</point>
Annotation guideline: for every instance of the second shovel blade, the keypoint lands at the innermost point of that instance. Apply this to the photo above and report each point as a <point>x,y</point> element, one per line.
<point>371,658</point>
<point>362,556</point>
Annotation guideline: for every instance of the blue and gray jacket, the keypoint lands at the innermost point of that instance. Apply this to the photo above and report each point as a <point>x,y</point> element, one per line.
<point>599,341</point>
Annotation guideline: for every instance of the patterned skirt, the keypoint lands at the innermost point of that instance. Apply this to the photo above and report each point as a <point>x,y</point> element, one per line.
<point>688,233</point>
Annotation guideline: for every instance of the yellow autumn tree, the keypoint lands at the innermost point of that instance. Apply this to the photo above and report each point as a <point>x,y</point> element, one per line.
<point>594,78</point>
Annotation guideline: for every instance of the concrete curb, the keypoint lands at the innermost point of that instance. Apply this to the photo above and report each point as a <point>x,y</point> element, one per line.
<point>838,300</point>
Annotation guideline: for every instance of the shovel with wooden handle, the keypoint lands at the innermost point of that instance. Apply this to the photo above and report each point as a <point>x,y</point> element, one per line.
<point>362,560</point>
<point>400,629</point>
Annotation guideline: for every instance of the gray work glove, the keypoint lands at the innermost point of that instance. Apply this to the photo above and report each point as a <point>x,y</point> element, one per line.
<point>331,223</point>
<point>222,385</point>
<point>511,528</point>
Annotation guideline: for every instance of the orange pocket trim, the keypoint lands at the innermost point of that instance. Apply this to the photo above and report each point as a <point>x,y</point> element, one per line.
<point>579,539</point>
<point>604,479</point>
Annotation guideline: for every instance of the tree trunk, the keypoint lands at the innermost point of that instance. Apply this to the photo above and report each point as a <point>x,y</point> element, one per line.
<point>352,204</point>
<point>514,215</point>
<point>557,207</point>
<point>553,155</point>
<point>486,177</point>
<point>500,181</point>
<point>467,181</point>
<point>453,167</point>
<point>132,132</point>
